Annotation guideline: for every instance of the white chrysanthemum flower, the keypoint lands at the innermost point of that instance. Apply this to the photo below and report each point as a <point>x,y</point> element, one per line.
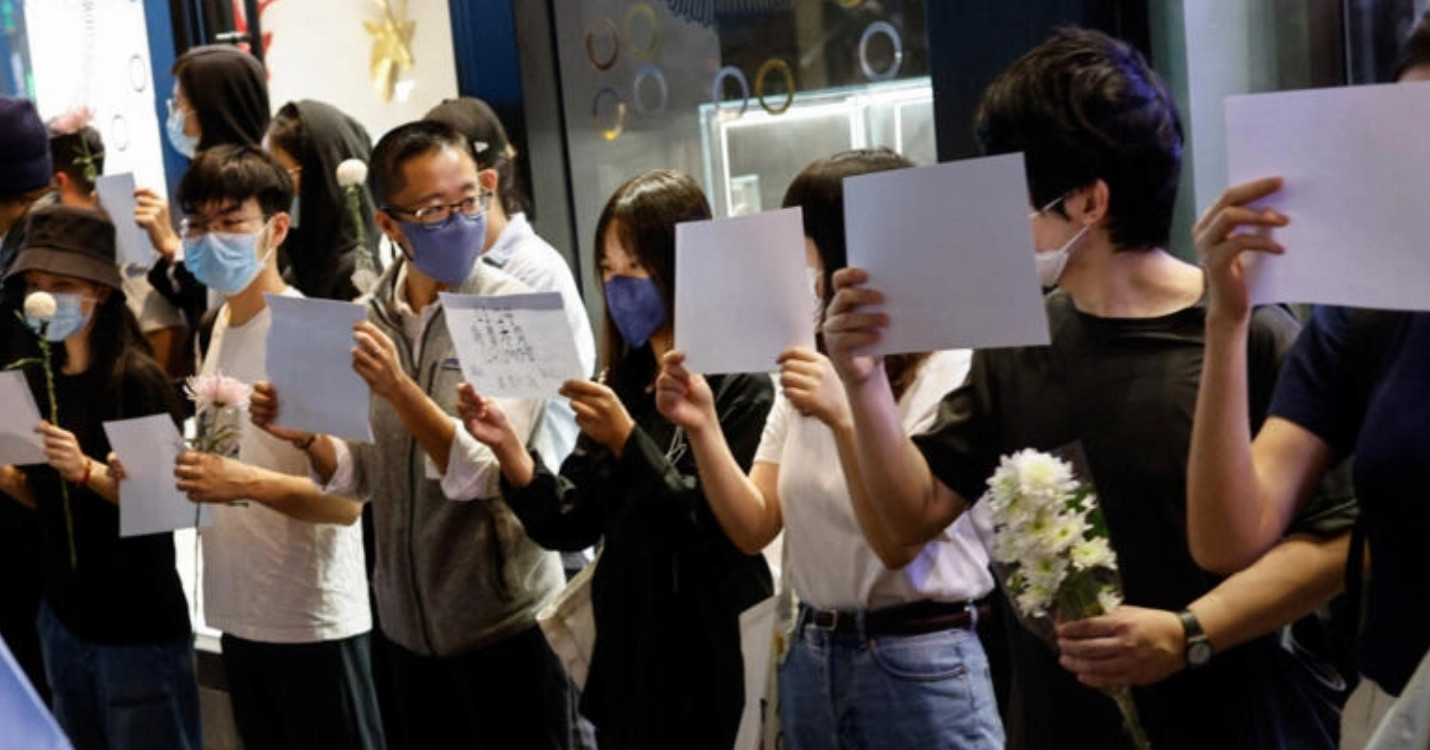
<point>41,306</point>
<point>1067,531</point>
<point>1093,553</point>
<point>1109,598</point>
<point>1035,600</point>
<point>1046,572</point>
<point>1043,475</point>
<point>1004,485</point>
<point>352,172</point>
<point>1009,548</point>
<point>1039,528</point>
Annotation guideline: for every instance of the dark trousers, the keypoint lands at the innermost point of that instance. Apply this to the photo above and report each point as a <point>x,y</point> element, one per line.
<point>511,694</point>
<point>20,582</point>
<point>303,695</point>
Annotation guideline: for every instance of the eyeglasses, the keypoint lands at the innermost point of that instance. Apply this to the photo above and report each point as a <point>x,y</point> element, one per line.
<point>193,227</point>
<point>472,205</point>
<point>1044,209</point>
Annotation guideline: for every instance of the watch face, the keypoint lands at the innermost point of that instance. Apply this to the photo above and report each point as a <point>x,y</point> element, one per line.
<point>1199,653</point>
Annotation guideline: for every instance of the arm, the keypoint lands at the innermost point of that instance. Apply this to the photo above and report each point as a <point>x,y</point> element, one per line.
<point>1240,495</point>
<point>1136,646</point>
<point>68,459</point>
<point>913,504</point>
<point>746,506</point>
<point>375,359</point>
<point>16,484</point>
<point>208,478</point>
<point>891,551</point>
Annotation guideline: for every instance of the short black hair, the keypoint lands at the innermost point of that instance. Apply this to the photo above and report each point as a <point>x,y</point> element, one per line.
<point>1083,107</point>
<point>78,155</point>
<point>1415,51</point>
<point>236,173</point>
<point>402,144</point>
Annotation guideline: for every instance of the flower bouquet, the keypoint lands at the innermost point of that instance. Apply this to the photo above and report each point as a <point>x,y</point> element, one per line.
<point>351,174</point>
<point>40,311</point>
<point>1051,551</point>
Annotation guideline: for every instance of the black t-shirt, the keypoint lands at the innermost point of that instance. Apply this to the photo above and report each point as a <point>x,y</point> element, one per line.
<point>123,591</point>
<point>1127,390</point>
<point>1370,399</point>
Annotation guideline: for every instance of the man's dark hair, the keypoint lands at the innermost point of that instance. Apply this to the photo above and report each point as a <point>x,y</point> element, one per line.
<point>79,156</point>
<point>401,145</point>
<point>231,173</point>
<point>1415,51</point>
<point>1083,107</point>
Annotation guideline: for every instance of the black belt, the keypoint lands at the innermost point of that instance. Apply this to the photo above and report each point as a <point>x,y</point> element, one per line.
<point>915,618</point>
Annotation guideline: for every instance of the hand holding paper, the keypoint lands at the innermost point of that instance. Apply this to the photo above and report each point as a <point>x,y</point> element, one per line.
<point>741,292</point>
<point>310,361</point>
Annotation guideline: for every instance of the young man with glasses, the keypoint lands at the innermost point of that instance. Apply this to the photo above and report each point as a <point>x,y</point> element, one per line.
<point>283,567</point>
<point>458,583</point>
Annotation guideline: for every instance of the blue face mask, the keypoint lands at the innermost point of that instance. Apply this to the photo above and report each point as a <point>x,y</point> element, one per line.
<point>636,308</point>
<point>225,262</point>
<point>187,145</point>
<point>69,319</point>
<point>447,250</point>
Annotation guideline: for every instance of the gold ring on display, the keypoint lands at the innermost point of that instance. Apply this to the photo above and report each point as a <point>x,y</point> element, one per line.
<point>768,67</point>
<point>887,29</point>
<point>613,132</point>
<point>649,71</point>
<point>609,27</point>
<point>642,9</point>
<point>717,89</point>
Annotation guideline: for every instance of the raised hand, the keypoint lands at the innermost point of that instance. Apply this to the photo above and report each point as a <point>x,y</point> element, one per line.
<point>263,411</point>
<point>849,326</point>
<point>1225,231</point>
<point>599,413</point>
<point>152,213</point>
<point>813,388</point>
<point>684,397</point>
<point>114,468</point>
<point>375,359</point>
<point>483,418</point>
<point>210,478</point>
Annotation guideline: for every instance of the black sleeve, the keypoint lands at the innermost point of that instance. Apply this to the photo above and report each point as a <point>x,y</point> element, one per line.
<point>670,490</point>
<point>1314,390</point>
<point>565,512</point>
<point>1272,345</point>
<point>961,446</point>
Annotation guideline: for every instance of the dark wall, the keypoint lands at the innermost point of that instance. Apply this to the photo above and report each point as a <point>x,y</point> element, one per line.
<point>969,43</point>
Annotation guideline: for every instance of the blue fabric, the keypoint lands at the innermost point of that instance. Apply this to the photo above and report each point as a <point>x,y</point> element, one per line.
<point>1388,430</point>
<point>122,696</point>
<point>26,721</point>
<point>844,691</point>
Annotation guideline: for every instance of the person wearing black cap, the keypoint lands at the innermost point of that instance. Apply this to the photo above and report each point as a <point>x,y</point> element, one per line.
<point>310,139</point>
<point>25,182</point>
<point>114,625</point>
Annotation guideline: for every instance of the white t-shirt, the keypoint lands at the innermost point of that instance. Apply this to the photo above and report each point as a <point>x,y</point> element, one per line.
<point>831,564</point>
<point>268,577</point>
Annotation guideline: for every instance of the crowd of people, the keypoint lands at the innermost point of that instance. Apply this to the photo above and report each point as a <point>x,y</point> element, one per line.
<point>385,593</point>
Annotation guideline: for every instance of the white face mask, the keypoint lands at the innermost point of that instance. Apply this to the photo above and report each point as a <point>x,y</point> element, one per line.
<point>813,282</point>
<point>1052,263</point>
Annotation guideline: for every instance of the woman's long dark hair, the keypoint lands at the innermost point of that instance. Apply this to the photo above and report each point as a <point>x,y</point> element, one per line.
<point>818,191</point>
<point>644,212</point>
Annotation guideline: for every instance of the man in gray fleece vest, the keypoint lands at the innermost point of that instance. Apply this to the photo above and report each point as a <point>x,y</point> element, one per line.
<point>457,581</point>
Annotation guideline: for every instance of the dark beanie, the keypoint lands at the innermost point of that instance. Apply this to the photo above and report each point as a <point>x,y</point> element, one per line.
<point>24,148</point>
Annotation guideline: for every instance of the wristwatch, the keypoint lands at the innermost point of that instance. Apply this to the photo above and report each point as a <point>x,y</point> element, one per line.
<point>1198,649</point>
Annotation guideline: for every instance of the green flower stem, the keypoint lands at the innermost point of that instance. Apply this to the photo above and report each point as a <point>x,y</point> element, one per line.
<point>1130,721</point>
<point>55,420</point>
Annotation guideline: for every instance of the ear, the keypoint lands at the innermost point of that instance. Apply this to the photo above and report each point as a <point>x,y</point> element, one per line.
<point>278,230</point>
<point>489,180</point>
<point>102,293</point>
<point>393,229</point>
<point>1089,205</point>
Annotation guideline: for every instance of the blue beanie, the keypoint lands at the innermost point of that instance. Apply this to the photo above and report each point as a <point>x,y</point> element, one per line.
<point>24,148</point>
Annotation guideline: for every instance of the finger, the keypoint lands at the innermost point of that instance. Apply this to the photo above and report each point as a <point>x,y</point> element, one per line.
<point>804,368</point>
<point>850,277</point>
<point>673,358</point>
<point>676,371</point>
<point>792,381</point>
<point>585,389</point>
<point>584,411</point>
<point>797,354</point>
<point>366,342</point>
<point>1089,627</point>
<point>854,322</point>
<point>1237,195</point>
<point>1242,243</point>
<point>1235,217</point>
<point>853,299</point>
<point>858,341</point>
<point>1092,648</point>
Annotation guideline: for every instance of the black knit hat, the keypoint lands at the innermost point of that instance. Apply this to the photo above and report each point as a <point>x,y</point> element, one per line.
<point>24,148</point>
<point>69,241</point>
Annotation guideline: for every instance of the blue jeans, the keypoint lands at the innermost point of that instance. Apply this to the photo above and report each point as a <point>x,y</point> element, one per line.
<point>120,697</point>
<point>850,690</point>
